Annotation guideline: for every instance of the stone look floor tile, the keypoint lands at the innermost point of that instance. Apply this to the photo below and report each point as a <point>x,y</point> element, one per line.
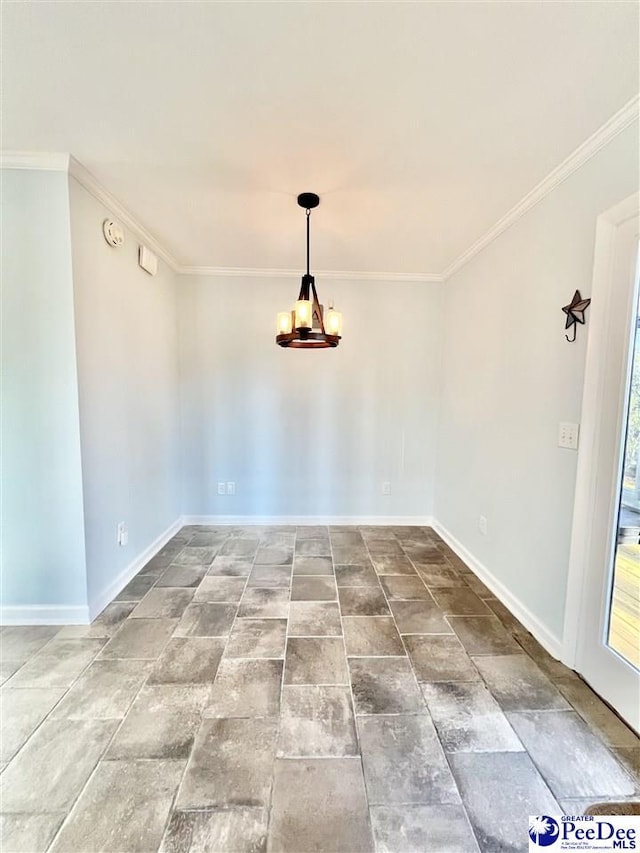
<point>566,752</point>
<point>246,688</point>
<point>384,686</point>
<point>387,546</point>
<point>597,715</point>
<point>57,664</point>
<point>356,576</point>
<point>166,603</point>
<point>500,790</point>
<point>483,635</point>
<point>136,589</point>
<point>124,807</point>
<point>22,712</point>
<point>630,760</point>
<point>460,602</point>
<point>350,555</point>
<point>404,587</point>
<point>19,643</point>
<point>8,668</point>
<point>246,547</point>
<point>404,762</point>
<point>313,660</point>
<point>468,718</point>
<point>518,684</point>
<point>438,657</point>
<point>270,576</point>
<point>225,589</point>
<point>188,661</point>
<point>51,768</point>
<point>345,538</point>
<point>104,626</point>
<point>393,564</point>
<point>419,617</point>
<point>439,576</point>
<point>222,715</point>
<point>313,548</point>
<point>312,565</point>
<point>422,829</point>
<point>162,722</point>
<point>231,764</point>
<point>230,831</point>
<point>104,691</point>
<point>206,620</point>
<point>317,721</point>
<point>273,555</point>
<point>230,567</point>
<point>319,805</point>
<point>214,541</point>
<point>178,575</point>
<point>29,833</point>
<point>551,667</point>
<point>143,639</point>
<point>309,588</point>
<point>505,616</point>
<point>371,636</point>
<point>363,601</point>
<point>312,531</point>
<point>478,587</point>
<point>314,619</point>
<point>259,603</point>
<point>195,556</point>
<point>257,638</point>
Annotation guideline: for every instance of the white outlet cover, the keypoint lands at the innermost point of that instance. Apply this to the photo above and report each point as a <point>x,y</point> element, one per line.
<point>222,488</point>
<point>568,435</point>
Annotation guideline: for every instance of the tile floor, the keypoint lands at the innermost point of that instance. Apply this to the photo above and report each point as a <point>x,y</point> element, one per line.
<point>311,689</point>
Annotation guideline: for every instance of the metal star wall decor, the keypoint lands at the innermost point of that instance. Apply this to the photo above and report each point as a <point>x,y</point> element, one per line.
<point>575,313</point>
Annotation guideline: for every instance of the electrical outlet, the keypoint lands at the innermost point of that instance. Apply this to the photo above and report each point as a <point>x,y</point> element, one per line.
<point>122,534</point>
<point>568,435</point>
<point>482,525</point>
<point>386,488</point>
<point>231,488</point>
<point>222,488</point>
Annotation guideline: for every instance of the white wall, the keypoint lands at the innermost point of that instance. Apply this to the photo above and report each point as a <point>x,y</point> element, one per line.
<point>509,377</point>
<point>126,329</point>
<point>43,555</point>
<point>304,433</point>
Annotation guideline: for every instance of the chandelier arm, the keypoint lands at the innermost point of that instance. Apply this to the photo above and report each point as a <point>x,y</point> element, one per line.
<point>317,307</point>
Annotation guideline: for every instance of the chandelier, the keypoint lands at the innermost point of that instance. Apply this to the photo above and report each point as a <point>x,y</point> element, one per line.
<point>307,326</point>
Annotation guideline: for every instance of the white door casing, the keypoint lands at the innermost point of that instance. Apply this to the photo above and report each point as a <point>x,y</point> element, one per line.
<point>605,397</point>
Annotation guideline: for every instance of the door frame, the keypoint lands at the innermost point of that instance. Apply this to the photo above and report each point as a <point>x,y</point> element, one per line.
<point>600,378</point>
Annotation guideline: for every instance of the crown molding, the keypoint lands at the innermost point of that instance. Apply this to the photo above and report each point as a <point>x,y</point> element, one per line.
<point>327,275</point>
<point>48,161</point>
<point>37,161</point>
<point>618,122</point>
<point>84,177</point>
<point>52,161</point>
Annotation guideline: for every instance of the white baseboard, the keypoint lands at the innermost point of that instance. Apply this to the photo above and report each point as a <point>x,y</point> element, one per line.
<point>109,592</point>
<point>42,614</point>
<point>540,631</point>
<point>300,520</point>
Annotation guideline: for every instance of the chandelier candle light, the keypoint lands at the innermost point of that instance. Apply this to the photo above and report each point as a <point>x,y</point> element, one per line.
<point>306,327</point>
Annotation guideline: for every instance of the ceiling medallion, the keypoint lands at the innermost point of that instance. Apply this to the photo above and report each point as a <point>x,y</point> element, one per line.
<point>307,326</point>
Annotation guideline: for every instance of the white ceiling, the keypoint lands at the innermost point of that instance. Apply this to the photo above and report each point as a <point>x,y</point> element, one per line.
<point>419,124</point>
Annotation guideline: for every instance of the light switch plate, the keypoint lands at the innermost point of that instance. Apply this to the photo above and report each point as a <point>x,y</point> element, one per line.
<point>568,435</point>
<point>222,488</point>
